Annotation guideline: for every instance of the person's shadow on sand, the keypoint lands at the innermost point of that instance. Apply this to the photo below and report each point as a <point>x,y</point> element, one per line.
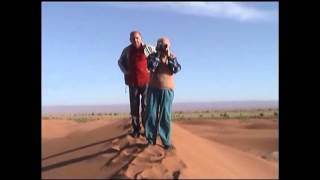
<point>126,157</point>
<point>112,149</point>
<point>82,147</point>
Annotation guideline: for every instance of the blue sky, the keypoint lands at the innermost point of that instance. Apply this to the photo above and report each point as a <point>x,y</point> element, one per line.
<point>228,50</point>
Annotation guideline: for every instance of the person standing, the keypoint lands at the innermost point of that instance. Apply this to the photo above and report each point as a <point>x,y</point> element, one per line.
<point>162,65</point>
<point>133,64</point>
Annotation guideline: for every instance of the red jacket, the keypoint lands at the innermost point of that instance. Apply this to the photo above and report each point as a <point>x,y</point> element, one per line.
<point>137,68</point>
<point>133,63</point>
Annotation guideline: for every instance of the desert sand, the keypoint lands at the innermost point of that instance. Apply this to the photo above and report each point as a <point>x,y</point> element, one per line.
<point>256,136</point>
<point>104,149</point>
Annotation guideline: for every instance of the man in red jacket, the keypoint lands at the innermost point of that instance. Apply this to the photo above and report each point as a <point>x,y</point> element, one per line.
<point>133,64</point>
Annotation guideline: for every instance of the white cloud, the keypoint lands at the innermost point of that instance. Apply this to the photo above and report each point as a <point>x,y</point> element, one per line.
<point>232,10</point>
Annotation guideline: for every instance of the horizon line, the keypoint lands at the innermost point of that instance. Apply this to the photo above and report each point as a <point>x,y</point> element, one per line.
<point>182,102</point>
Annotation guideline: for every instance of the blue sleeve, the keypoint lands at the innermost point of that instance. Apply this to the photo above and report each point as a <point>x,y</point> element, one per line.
<point>174,65</point>
<point>153,62</point>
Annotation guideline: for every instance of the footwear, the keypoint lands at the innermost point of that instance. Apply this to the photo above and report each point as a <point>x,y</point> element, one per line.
<point>153,142</point>
<point>135,134</point>
<point>143,134</point>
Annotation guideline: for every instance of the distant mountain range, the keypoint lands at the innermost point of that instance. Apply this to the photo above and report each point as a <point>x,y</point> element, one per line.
<point>190,106</point>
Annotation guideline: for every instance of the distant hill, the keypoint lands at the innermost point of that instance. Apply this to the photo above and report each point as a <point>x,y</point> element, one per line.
<point>191,106</point>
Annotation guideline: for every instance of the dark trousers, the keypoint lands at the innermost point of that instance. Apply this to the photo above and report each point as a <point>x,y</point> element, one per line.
<point>138,95</point>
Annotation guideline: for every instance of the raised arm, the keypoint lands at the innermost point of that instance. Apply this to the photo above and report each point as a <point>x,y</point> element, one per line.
<point>153,62</point>
<point>174,65</point>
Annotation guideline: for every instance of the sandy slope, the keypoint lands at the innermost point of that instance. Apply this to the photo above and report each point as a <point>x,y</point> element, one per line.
<point>208,159</point>
<point>60,128</point>
<point>105,150</point>
<point>256,136</point>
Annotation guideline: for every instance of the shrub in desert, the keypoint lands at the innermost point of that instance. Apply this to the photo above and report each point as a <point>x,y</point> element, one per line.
<point>81,119</point>
<point>261,114</point>
<point>275,114</point>
<point>200,115</point>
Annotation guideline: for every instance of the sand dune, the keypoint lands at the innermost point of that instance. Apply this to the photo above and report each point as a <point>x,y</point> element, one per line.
<point>256,136</point>
<point>100,150</point>
<point>208,159</point>
<point>60,128</point>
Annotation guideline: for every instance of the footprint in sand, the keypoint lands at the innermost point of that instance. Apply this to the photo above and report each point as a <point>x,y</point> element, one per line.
<point>127,149</point>
<point>153,162</point>
<point>135,160</point>
<point>156,171</point>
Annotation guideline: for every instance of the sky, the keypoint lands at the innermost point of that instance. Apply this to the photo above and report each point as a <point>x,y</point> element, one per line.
<point>228,51</point>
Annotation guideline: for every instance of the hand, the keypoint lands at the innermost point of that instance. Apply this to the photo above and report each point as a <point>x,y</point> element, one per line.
<point>172,55</point>
<point>167,53</point>
<point>164,52</point>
